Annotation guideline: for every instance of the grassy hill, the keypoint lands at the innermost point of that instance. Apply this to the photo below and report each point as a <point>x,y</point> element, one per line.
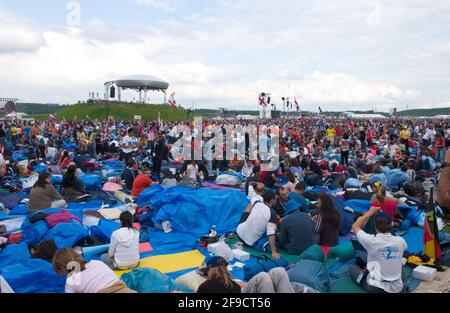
<point>425,112</point>
<point>119,111</point>
<point>38,108</point>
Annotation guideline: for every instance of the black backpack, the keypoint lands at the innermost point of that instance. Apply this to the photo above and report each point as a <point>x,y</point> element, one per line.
<point>413,189</point>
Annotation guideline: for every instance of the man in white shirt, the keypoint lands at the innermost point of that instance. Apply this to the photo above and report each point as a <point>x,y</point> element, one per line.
<point>384,255</point>
<point>129,144</point>
<point>429,136</point>
<point>259,230</point>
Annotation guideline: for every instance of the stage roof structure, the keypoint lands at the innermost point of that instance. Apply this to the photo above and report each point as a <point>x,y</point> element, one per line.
<point>140,83</point>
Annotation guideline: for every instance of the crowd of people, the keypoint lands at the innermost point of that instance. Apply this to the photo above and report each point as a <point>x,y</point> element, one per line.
<point>385,156</point>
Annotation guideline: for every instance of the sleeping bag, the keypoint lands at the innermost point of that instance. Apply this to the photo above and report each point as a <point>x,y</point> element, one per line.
<point>311,273</point>
<point>149,280</point>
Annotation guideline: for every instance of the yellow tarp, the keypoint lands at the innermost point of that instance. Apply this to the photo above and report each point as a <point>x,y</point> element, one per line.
<point>169,263</point>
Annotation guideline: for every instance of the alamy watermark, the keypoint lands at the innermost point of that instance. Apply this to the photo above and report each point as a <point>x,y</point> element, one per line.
<point>227,142</point>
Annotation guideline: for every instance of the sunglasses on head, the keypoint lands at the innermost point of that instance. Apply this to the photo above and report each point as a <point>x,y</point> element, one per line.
<point>378,184</point>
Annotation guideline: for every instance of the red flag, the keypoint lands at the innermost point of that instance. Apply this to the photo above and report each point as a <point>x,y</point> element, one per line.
<point>262,101</point>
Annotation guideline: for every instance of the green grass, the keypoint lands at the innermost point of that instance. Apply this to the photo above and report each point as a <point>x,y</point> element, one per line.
<point>126,111</point>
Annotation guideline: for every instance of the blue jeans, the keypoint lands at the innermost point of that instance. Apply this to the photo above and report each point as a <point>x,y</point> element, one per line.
<point>263,244</point>
<point>91,148</point>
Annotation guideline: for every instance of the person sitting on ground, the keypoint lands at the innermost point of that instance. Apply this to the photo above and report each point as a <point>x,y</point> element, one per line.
<point>281,199</point>
<point>130,173</point>
<point>43,195</point>
<point>260,228</point>
<point>72,186</point>
<point>297,196</point>
<point>65,160</point>
<point>378,175</point>
<point>123,250</point>
<point>296,230</point>
<point>326,222</point>
<point>384,256</point>
<point>92,277</point>
<point>254,177</point>
<point>192,172</point>
<point>384,203</point>
<point>312,171</point>
<point>292,181</point>
<point>168,179</point>
<point>142,182</point>
<point>220,280</point>
<point>296,169</point>
<point>256,197</point>
<point>45,250</point>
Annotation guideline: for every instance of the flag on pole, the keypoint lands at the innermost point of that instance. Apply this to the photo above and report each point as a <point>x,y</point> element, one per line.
<point>52,118</point>
<point>172,101</point>
<point>431,245</point>
<point>297,106</point>
<point>349,121</point>
<point>320,110</point>
<point>262,101</point>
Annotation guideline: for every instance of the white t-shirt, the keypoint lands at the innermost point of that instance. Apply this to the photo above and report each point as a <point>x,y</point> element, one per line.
<point>95,277</point>
<point>39,137</point>
<point>192,170</point>
<point>384,260</point>
<point>124,247</point>
<point>262,220</point>
<point>429,134</point>
<point>128,141</point>
<point>51,151</point>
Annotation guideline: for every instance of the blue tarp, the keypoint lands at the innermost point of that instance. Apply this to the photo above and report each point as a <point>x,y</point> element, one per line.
<point>414,239</point>
<point>358,205</point>
<point>56,179</point>
<point>145,196</point>
<point>69,146</point>
<point>173,242</point>
<point>33,276</point>
<point>40,168</point>
<point>18,156</point>
<point>12,254</point>
<point>104,229</point>
<point>92,182</point>
<point>64,234</point>
<point>194,211</point>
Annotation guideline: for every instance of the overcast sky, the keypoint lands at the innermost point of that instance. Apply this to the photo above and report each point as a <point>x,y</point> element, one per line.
<point>341,55</point>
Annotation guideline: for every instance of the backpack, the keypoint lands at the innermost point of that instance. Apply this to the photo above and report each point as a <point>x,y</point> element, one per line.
<point>261,264</point>
<point>413,189</point>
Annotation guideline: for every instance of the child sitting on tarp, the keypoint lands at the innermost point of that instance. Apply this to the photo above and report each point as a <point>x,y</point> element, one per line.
<point>91,277</point>
<point>383,272</point>
<point>123,250</point>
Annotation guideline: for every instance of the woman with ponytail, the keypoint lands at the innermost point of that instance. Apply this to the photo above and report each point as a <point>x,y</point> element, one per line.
<point>384,203</point>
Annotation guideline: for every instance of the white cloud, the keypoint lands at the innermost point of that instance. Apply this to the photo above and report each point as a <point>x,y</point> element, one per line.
<point>166,5</point>
<point>18,35</point>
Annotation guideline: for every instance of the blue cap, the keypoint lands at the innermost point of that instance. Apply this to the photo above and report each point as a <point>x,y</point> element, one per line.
<point>291,206</point>
<point>383,218</point>
<point>216,261</point>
